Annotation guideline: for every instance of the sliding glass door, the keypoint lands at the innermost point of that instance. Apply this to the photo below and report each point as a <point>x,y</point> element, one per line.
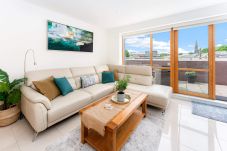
<point>151,49</point>
<point>193,61</point>
<point>160,43</point>
<point>221,61</point>
<point>137,49</point>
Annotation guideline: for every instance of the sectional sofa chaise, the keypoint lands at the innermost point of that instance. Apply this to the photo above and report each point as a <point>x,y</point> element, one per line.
<point>42,113</point>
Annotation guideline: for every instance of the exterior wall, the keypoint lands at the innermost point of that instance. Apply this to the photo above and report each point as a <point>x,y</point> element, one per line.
<point>221,72</point>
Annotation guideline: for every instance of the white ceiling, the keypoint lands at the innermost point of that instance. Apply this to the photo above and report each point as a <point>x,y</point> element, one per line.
<point>114,13</point>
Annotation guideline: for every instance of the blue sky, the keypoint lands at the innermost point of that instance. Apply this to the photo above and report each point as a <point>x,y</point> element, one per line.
<point>187,38</point>
<point>221,33</point>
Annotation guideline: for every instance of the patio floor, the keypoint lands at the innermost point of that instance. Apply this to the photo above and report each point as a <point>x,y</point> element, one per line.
<point>221,90</point>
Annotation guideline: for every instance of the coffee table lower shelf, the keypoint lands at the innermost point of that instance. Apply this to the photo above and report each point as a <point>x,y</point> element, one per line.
<point>101,143</point>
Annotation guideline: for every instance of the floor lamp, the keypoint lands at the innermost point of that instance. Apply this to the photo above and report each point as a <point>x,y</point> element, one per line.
<point>25,59</point>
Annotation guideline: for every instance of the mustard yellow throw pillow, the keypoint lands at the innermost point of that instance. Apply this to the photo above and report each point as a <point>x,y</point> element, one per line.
<point>47,87</point>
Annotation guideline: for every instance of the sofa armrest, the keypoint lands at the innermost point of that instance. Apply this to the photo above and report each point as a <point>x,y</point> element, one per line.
<point>35,113</point>
<point>35,97</point>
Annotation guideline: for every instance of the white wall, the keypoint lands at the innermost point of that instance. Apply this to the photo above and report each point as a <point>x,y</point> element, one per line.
<point>210,14</point>
<point>24,25</point>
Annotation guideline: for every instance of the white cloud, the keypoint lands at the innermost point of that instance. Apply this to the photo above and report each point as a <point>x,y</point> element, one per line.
<point>218,45</point>
<point>181,50</point>
<point>144,42</point>
<point>140,42</point>
<point>164,47</point>
<point>132,51</point>
<point>161,46</point>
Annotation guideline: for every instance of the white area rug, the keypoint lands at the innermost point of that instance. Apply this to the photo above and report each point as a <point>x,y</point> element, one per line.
<point>145,138</point>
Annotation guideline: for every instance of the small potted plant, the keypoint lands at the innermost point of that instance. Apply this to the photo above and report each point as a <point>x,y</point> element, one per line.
<point>10,95</point>
<point>121,85</point>
<point>191,76</point>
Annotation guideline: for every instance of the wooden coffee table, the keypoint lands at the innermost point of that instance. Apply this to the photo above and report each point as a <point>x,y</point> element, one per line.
<point>118,130</point>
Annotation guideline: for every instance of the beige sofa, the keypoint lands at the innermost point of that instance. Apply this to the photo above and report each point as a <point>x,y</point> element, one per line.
<point>42,113</point>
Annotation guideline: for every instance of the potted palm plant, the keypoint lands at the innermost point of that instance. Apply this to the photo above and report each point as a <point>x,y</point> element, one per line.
<point>191,76</point>
<point>10,95</point>
<point>121,85</point>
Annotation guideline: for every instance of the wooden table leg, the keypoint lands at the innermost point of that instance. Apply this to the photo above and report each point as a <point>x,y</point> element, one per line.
<point>111,136</point>
<point>144,107</point>
<point>84,133</point>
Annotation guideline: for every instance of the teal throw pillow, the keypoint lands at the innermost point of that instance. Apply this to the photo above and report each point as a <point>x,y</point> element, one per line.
<point>63,85</point>
<point>107,77</point>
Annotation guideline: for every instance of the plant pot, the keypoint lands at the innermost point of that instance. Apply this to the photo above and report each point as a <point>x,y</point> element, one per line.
<point>9,116</point>
<point>121,96</point>
<point>191,79</point>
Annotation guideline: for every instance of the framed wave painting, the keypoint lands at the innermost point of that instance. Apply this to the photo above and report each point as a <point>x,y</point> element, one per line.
<point>68,38</point>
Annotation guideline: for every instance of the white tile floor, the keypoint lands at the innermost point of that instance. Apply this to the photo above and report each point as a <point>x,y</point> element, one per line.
<point>182,131</point>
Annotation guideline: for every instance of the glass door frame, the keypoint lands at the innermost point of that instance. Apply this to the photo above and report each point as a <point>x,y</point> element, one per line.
<point>210,70</point>
<point>151,56</point>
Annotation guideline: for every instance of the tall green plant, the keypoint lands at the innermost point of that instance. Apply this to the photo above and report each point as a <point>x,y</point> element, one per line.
<point>9,91</point>
<point>122,84</point>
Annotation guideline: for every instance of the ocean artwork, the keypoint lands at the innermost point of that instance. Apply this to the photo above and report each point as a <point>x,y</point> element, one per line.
<point>68,38</point>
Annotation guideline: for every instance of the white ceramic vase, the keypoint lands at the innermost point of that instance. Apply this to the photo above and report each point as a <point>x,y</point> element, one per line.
<point>121,96</point>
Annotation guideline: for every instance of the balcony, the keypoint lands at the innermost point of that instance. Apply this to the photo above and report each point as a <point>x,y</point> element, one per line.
<point>201,84</point>
<point>221,90</point>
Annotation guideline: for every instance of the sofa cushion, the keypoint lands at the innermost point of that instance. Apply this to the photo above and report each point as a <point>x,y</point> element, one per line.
<point>119,71</point>
<point>47,87</point>
<point>77,72</point>
<point>100,90</point>
<point>159,95</point>
<point>63,85</point>
<point>99,69</point>
<point>138,70</point>
<point>80,71</point>
<point>139,74</point>
<point>119,68</point>
<point>121,76</point>
<point>43,74</point>
<point>140,79</point>
<point>65,105</point>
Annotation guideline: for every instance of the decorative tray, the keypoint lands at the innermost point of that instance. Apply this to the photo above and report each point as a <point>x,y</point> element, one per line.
<point>127,99</point>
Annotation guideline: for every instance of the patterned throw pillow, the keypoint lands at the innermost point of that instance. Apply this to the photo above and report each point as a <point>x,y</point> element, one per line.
<point>87,80</point>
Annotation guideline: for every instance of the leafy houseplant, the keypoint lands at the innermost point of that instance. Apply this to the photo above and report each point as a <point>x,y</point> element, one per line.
<point>191,76</point>
<point>10,94</point>
<point>121,85</point>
